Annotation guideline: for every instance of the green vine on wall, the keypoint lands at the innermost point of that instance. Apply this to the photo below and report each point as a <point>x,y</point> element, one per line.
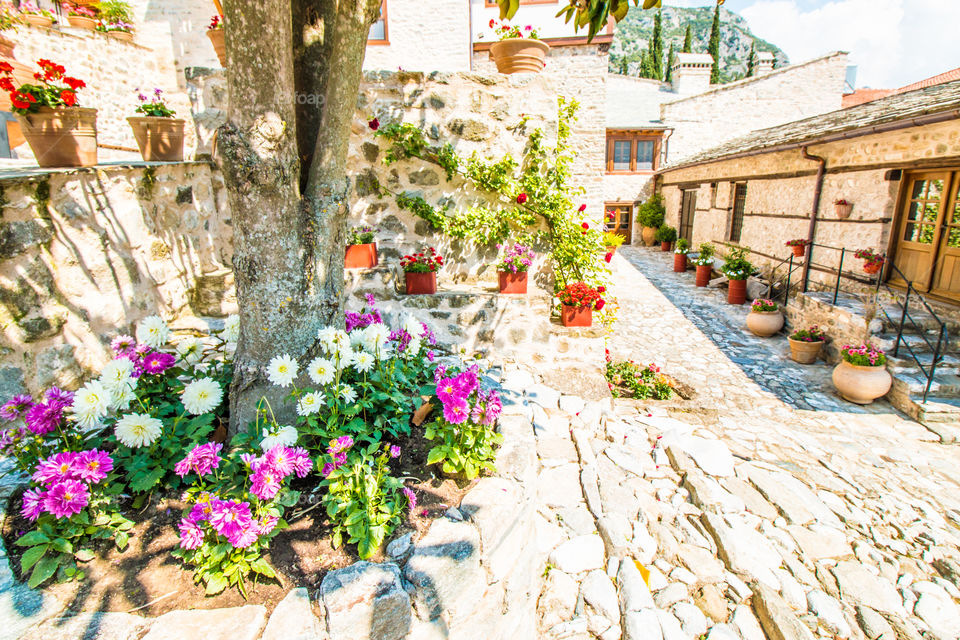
<point>524,192</point>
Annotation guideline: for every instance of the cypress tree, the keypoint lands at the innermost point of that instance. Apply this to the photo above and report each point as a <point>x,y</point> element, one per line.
<point>752,60</point>
<point>687,41</point>
<point>656,47</point>
<point>714,48</point>
<point>624,66</point>
<point>647,70</point>
<point>668,72</point>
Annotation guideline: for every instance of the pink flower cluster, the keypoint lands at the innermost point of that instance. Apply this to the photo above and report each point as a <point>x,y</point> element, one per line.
<point>40,417</point>
<point>232,519</point>
<point>144,359</point>
<point>202,459</point>
<point>65,480</point>
<point>516,259</point>
<point>365,318</point>
<point>338,451</point>
<point>863,355</point>
<point>456,393</point>
<point>270,469</point>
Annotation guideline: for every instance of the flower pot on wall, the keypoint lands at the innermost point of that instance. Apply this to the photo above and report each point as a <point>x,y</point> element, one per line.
<point>159,139</point>
<point>82,22</point>
<point>37,20</point>
<point>764,323</point>
<point>873,268</point>
<point>665,246</point>
<point>860,384</point>
<point>519,55</point>
<point>679,262</point>
<point>576,316</point>
<point>649,236</point>
<point>62,137</point>
<point>704,271</point>
<point>737,292</point>
<point>122,36</point>
<point>799,250</point>
<point>805,352</point>
<point>513,282</point>
<point>216,39</point>
<point>421,283</point>
<point>843,210</point>
<point>361,256</point>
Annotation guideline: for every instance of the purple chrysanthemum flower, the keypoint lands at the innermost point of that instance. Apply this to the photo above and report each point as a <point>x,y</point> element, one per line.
<point>66,498</point>
<point>245,536</point>
<point>302,464</point>
<point>158,362</point>
<point>394,451</point>
<point>430,356</point>
<point>202,459</point>
<point>56,468</point>
<point>123,345</point>
<point>93,465</point>
<point>230,518</point>
<point>439,373</point>
<point>456,412</point>
<point>448,391</point>
<point>33,504</point>
<point>191,534</point>
<point>16,407</point>
<point>44,417</point>
<point>411,498</point>
<point>371,299</point>
<point>58,395</point>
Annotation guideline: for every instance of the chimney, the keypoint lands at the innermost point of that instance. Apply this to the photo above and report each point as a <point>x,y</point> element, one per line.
<point>691,73</point>
<point>764,63</point>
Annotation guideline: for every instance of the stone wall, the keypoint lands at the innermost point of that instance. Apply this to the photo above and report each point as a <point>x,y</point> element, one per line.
<point>85,254</point>
<point>792,93</point>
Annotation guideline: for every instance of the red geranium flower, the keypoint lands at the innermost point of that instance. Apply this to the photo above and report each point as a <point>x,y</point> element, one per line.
<point>584,225</point>
<point>521,198</point>
<point>609,256</point>
<point>74,83</point>
<point>599,305</point>
<point>374,124</point>
<point>69,97</point>
<point>6,67</point>
<point>7,84</point>
<point>21,100</point>
<point>583,208</point>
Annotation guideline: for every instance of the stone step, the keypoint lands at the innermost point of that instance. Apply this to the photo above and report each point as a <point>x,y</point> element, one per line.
<point>946,385</point>
<point>905,363</point>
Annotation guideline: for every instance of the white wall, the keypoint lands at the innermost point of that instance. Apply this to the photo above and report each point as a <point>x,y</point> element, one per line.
<point>541,16</point>
<point>424,35</point>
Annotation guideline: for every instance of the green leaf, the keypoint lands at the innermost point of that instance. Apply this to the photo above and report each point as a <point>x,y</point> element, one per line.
<point>31,556</point>
<point>215,584</point>
<point>144,481</point>
<point>32,538</point>
<point>436,455</point>
<point>63,546</point>
<point>263,567</point>
<point>122,540</point>
<point>42,571</point>
<point>83,555</point>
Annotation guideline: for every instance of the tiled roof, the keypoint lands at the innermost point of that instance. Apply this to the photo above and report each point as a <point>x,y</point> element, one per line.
<point>949,76</point>
<point>941,98</point>
<point>864,95</point>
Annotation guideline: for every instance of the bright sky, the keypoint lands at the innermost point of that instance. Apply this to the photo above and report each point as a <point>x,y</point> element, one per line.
<point>892,42</point>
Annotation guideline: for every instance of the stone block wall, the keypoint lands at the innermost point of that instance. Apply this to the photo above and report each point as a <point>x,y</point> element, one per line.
<point>85,254</point>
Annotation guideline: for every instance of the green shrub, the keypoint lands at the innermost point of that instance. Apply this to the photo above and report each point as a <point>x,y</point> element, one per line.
<point>652,212</point>
<point>666,234</point>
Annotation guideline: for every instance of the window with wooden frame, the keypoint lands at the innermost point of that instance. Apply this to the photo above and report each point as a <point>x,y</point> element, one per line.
<point>739,203</point>
<point>633,151</point>
<point>378,30</point>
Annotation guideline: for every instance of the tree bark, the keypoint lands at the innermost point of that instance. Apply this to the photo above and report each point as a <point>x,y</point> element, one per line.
<point>289,208</point>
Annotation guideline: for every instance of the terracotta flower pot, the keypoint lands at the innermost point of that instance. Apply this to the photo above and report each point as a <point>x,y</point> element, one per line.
<point>704,271</point>
<point>122,36</point>
<point>513,282</point>
<point>611,249</point>
<point>799,250</point>
<point>62,137</point>
<point>576,316</point>
<point>37,20</point>
<point>873,267</point>
<point>649,236</point>
<point>159,139</point>
<point>361,256</point>
<point>421,283</point>
<point>679,262</point>
<point>665,246</point>
<point>519,55</point>
<point>843,210</point>
<point>861,385</point>
<point>765,323</point>
<point>804,352</point>
<point>216,39</point>
<point>82,22</point>
<point>737,292</point>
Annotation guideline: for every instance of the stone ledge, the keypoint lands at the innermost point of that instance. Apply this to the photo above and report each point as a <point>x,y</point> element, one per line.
<point>31,172</point>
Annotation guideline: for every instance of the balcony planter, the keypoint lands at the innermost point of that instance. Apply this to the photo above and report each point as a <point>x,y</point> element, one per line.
<point>122,36</point>
<point>37,20</point>
<point>159,139</point>
<point>666,246</point>
<point>361,256</point>
<point>737,291</point>
<point>843,210</point>
<point>704,271</point>
<point>764,323</point>
<point>804,352</point>
<point>572,316</point>
<point>799,250</point>
<point>82,22</point>
<point>421,283</point>
<point>62,137</point>
<point>513,282</point>
<point>216,39</point>
<point>519,55</point>
<point>679,262</point>
<point>861,384</point>
<point>873,268</point>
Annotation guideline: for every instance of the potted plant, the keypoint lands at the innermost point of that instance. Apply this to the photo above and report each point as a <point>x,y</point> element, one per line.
<point>842,208</point>
<point>116,19</point>
<point>805,344</point>
<point>60,133</point>
<point>650,216</point>
<point>122,31</point>
<point>737,269</point>
<point>873,262</point>
<point>9,19</point>
<point>862,376</point>
<point>799,246</point>
<point>666,236</point>
<point>82,18</point>
<point>512,268</point>
<point>704,264</point>
<point>215,33</point>
<point>421,271</point>
<point>578,300</point>
<point>680,256</point>
<point>765,318</point>
<point>519,50</point>
<point>34,15</point>
<point>361,250</point>
<point>612,241</point>
<point>159,135</point>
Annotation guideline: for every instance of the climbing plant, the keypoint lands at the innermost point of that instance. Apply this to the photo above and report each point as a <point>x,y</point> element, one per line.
<point>522,192</point>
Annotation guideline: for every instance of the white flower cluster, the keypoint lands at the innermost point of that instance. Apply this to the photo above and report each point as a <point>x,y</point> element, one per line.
<point>231,329</point>
<point>279,436</point>
<point>153,331</point>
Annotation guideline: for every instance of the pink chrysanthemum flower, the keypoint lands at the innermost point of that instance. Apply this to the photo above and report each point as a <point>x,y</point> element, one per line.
<point>16,407</point>
<point>280,460</point>
<point>32,504</point>
<point>266,524</point>
<point>456,412</point>
<point>66,498</point>
<point>229,517</point>
<point>411,498</point>
<point>56,468</point>
<point>302,464</point>
<point>93,465</point>
<point>157,362</point>
<point>123,345</point>
<point>265,483</point>
<point>244,537</point>
<point>191,534</point>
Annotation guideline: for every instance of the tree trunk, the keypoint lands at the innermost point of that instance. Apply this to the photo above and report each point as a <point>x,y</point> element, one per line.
<point>289,217</point>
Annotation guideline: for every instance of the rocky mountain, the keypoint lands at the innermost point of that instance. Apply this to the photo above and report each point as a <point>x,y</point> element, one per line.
<point>633,32</point>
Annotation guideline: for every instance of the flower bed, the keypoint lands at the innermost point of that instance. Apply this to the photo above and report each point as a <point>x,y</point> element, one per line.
<point>627,379</point>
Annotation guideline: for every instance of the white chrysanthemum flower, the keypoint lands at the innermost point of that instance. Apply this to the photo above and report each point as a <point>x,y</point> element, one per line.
<point>283,436</point>
<point>321,371</point>
<point>344,356</point>
<point>137,429</point>
<point>376,336</point>
<point>348,394</point>
<point>412,326</point>
<point>282,370</point>
<point>202,396</point>
<point>91,403</point>
<point>191,349</point>
<point>123,394</point>
<point>358,336</point>
<point>153,331</point>
<point>325,335</point>
<point>363,361</point>
<point>310,403</point>
<point>231,329</point>
<point>116,373</point>
<point>413,347</point>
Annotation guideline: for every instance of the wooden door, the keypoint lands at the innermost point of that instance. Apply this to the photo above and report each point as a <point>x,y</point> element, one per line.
<point>688,211</point>
<point>619,220</point>
<point>946,269</point>
<point>920,227</point>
